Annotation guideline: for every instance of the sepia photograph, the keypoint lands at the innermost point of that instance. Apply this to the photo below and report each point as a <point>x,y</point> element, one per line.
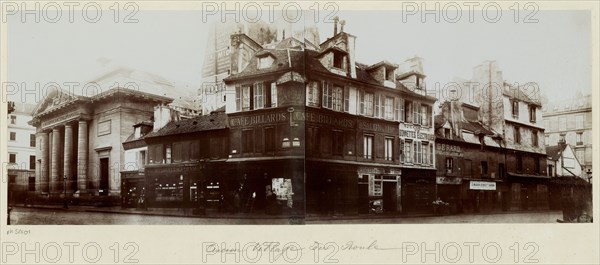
<point>326,115</point>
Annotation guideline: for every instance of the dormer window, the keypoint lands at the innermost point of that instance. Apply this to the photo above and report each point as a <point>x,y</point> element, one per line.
<point>338,60</point>
<point>389,74</point>
<point>137,132</point>
<point>265,61</point>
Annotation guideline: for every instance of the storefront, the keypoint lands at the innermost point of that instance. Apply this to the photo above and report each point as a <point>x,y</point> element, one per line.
<point>418,190</point>
<point>194,185</point>
<point>529,192</point>
<point>482,196</point>
<point>133,189</point>
<point>271,186</point>
<point>448,192</point>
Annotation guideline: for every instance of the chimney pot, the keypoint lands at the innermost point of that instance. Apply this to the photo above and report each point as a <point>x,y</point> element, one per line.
<point>335,25</point>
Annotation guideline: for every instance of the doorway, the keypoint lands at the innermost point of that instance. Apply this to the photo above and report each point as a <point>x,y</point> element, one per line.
<point>389,196</point>
<point>104,176</point>
<point>524,198</point>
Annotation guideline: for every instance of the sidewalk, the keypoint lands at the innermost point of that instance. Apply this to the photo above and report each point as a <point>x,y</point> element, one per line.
<point>187,212</point>
<point>172,212</point>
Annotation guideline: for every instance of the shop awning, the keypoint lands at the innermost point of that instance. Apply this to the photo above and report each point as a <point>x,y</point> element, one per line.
<point>517,175</point>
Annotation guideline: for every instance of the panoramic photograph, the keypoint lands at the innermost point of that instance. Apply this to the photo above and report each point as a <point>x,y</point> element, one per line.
<point>192,117</point>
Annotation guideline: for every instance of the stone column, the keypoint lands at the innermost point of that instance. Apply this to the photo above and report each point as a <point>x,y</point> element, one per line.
<point>82,156</point>
<point>54,177</point>
<point>68,156</point>
<point>42,154</point>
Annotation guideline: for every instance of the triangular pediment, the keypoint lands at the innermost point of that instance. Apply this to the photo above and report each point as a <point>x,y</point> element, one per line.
<point>55,97</point>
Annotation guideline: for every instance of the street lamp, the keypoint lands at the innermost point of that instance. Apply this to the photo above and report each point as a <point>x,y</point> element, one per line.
<point>65,205</point>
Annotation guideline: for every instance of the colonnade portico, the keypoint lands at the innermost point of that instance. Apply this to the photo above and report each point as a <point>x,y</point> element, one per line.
<point>59,159</point>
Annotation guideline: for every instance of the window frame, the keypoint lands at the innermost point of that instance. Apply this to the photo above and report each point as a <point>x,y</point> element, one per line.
<point>368,146</point>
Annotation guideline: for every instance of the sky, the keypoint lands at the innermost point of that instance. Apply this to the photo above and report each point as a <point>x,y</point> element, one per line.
<point>555,52</point>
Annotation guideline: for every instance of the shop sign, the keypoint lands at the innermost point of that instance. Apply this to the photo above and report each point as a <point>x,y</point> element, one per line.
<point>448,181</point>
<point>448,149</point>
<point>329,120</point>
<point>417,135</point>
<point>482,185</point>
<point>258,119</point>
<point>363,125</point>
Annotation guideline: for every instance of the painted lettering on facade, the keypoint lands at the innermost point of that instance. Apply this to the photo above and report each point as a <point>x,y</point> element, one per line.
<point>329,120</point>
<point>448,149</point>
<point>369,126</point>
<point>417,135</point>
<point>257,119</point>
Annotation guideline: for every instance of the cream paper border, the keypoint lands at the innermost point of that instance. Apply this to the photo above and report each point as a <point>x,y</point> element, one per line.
<point>558,243</point>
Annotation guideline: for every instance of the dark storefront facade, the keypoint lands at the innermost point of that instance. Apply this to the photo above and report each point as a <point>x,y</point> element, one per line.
<point>477,174</point>
<point>185,166</point>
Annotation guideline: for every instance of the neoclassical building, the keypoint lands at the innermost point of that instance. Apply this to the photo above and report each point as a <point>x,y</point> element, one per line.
<point>79,134</point>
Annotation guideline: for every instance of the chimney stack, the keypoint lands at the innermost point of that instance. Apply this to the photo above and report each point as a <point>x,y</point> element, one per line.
<point>342,23</point>
<point>335,25</point>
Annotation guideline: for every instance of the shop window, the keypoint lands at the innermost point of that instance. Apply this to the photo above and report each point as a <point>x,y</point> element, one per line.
<point>338,142</point>
<point>375,185</point>
<point>389,148</point>
<point>368,146</point>
<point>32,140</point>
<point>169,189</point>
<point>247,141</point>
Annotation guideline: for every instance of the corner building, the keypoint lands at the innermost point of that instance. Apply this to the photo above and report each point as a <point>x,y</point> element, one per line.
<point>311,116</point>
